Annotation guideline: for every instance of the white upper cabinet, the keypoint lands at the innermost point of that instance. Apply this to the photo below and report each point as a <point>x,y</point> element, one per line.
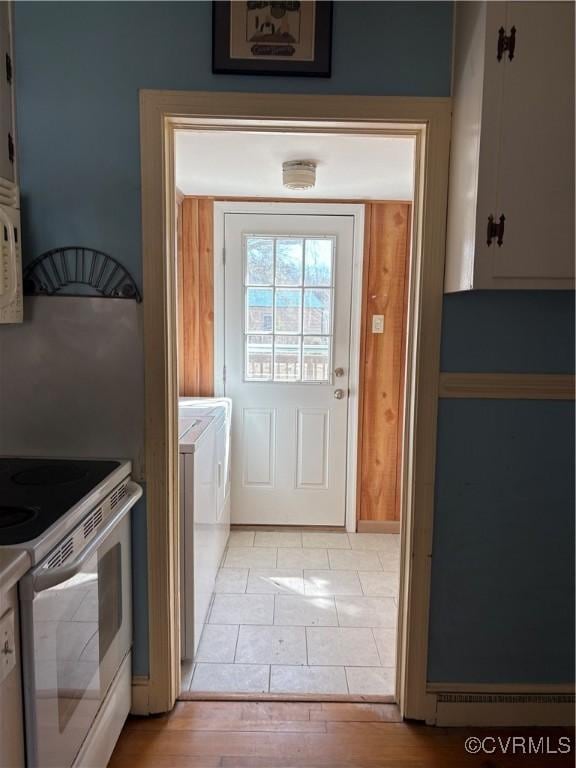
<point>511,197</point>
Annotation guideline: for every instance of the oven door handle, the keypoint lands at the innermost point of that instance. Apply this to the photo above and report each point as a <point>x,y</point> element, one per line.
<point>43,579</point>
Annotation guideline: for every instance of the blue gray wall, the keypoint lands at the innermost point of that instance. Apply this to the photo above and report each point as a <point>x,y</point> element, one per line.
<point>502,605</point>
<point>503,557</point>
<point>79,67</point>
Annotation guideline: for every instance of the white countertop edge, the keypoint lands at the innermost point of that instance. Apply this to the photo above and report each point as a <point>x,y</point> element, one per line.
<point>14,564</point>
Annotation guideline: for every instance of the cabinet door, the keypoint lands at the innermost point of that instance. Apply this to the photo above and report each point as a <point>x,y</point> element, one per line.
<point>536,153</point>
<point>6,121</point>
<point>11,725</point>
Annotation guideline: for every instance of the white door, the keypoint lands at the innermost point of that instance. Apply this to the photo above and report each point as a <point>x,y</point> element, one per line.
<point>288,285</point>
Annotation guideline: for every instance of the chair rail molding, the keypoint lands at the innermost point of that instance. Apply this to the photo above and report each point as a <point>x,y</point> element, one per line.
<point>507,386</point>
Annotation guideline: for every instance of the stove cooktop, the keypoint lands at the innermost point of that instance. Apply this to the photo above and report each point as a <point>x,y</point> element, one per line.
<point>34,493</point>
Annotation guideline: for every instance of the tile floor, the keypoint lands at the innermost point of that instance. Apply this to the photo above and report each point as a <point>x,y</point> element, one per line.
<point>301,612</point>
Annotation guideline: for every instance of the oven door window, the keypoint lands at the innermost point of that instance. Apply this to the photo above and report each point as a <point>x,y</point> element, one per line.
<point>94,617</point>
<point>109,597</point>
<point>77,642</point>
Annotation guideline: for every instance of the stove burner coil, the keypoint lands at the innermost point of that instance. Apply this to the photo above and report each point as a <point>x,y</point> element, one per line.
<point>10,517</point>
<point>49,474</point>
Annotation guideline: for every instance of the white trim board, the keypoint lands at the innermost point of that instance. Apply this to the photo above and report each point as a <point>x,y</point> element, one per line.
<point>428,119</point>
<point>140,699</point>
<point>356,211</point>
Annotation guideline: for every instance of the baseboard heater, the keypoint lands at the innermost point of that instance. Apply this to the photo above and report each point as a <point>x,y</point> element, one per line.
<point>501,709</point>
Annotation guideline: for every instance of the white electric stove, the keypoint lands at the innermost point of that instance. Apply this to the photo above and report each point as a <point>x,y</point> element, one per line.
<point>73,519</point>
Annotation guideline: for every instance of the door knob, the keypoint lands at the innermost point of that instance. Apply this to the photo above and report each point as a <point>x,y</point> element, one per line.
<point>339,372</point>
<point>338,394</point>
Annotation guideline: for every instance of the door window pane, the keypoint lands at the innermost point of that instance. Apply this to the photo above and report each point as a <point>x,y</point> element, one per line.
<point>318,262</point>
<point>287,358</point>
<point>317,310</point>
<point>316,358</point>
<point>259,261</point>
<point>288,310</point>
<point>259,358</point>
<point>259,313</point>
<point>288,298</point>
<point>289,261</point>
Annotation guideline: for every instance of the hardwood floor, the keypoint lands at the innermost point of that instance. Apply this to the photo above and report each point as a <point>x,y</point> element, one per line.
<point>311,735</point>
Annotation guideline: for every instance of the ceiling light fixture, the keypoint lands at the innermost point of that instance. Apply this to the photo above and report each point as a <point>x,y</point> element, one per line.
<point>299,174</point>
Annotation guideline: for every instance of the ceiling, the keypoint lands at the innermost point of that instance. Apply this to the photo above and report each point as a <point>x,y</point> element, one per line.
<point>243,164</point>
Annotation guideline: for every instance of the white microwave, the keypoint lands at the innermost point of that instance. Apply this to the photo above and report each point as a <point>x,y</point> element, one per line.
<point>11,309</point>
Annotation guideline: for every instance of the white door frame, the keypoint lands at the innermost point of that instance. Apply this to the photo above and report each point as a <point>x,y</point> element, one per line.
<point>428,119</point>
<point>309,209</point>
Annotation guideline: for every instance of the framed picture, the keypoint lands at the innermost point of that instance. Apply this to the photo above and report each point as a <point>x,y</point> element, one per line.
<point>253,37</point>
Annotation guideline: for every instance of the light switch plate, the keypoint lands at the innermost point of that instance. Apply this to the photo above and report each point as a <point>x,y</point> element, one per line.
<point>377,323</point>
<point>7,646</point>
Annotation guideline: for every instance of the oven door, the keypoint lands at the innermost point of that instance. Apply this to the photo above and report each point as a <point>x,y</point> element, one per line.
<point>76,630</point>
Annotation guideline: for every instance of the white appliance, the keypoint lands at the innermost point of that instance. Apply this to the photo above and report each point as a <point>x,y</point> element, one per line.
<point>204,438</point>
<point>75,604</point>
<point>11,310</point>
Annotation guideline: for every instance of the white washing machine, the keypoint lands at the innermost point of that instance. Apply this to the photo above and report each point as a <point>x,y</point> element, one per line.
<point>204,438</point>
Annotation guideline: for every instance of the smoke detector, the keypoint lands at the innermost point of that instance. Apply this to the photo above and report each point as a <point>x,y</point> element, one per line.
<point>299,174</point>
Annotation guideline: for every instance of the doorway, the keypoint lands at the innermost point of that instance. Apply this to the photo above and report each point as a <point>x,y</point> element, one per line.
<point>299,606</point>
<point>428,121</point>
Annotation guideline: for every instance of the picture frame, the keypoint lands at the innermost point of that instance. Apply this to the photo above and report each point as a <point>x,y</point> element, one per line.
<point>254,37</point>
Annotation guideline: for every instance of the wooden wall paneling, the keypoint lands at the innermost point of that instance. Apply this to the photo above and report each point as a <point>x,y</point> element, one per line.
<point>190,295</point>
<point>206,297</point>
<point>196,294</point>
<point>362,371</point>
<point>382,355</point>
<point>386,262</point>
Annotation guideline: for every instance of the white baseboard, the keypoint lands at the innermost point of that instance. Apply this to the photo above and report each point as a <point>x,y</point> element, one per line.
<point>493,705</point>
<point>140,701</point>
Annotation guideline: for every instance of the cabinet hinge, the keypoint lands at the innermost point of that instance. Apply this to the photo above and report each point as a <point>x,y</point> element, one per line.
<point>224,374</point>
<point>506,43</point>
<point>8,68</point>
<point>10,148</point>
<point>224,256</point>
<point>495,230</point>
